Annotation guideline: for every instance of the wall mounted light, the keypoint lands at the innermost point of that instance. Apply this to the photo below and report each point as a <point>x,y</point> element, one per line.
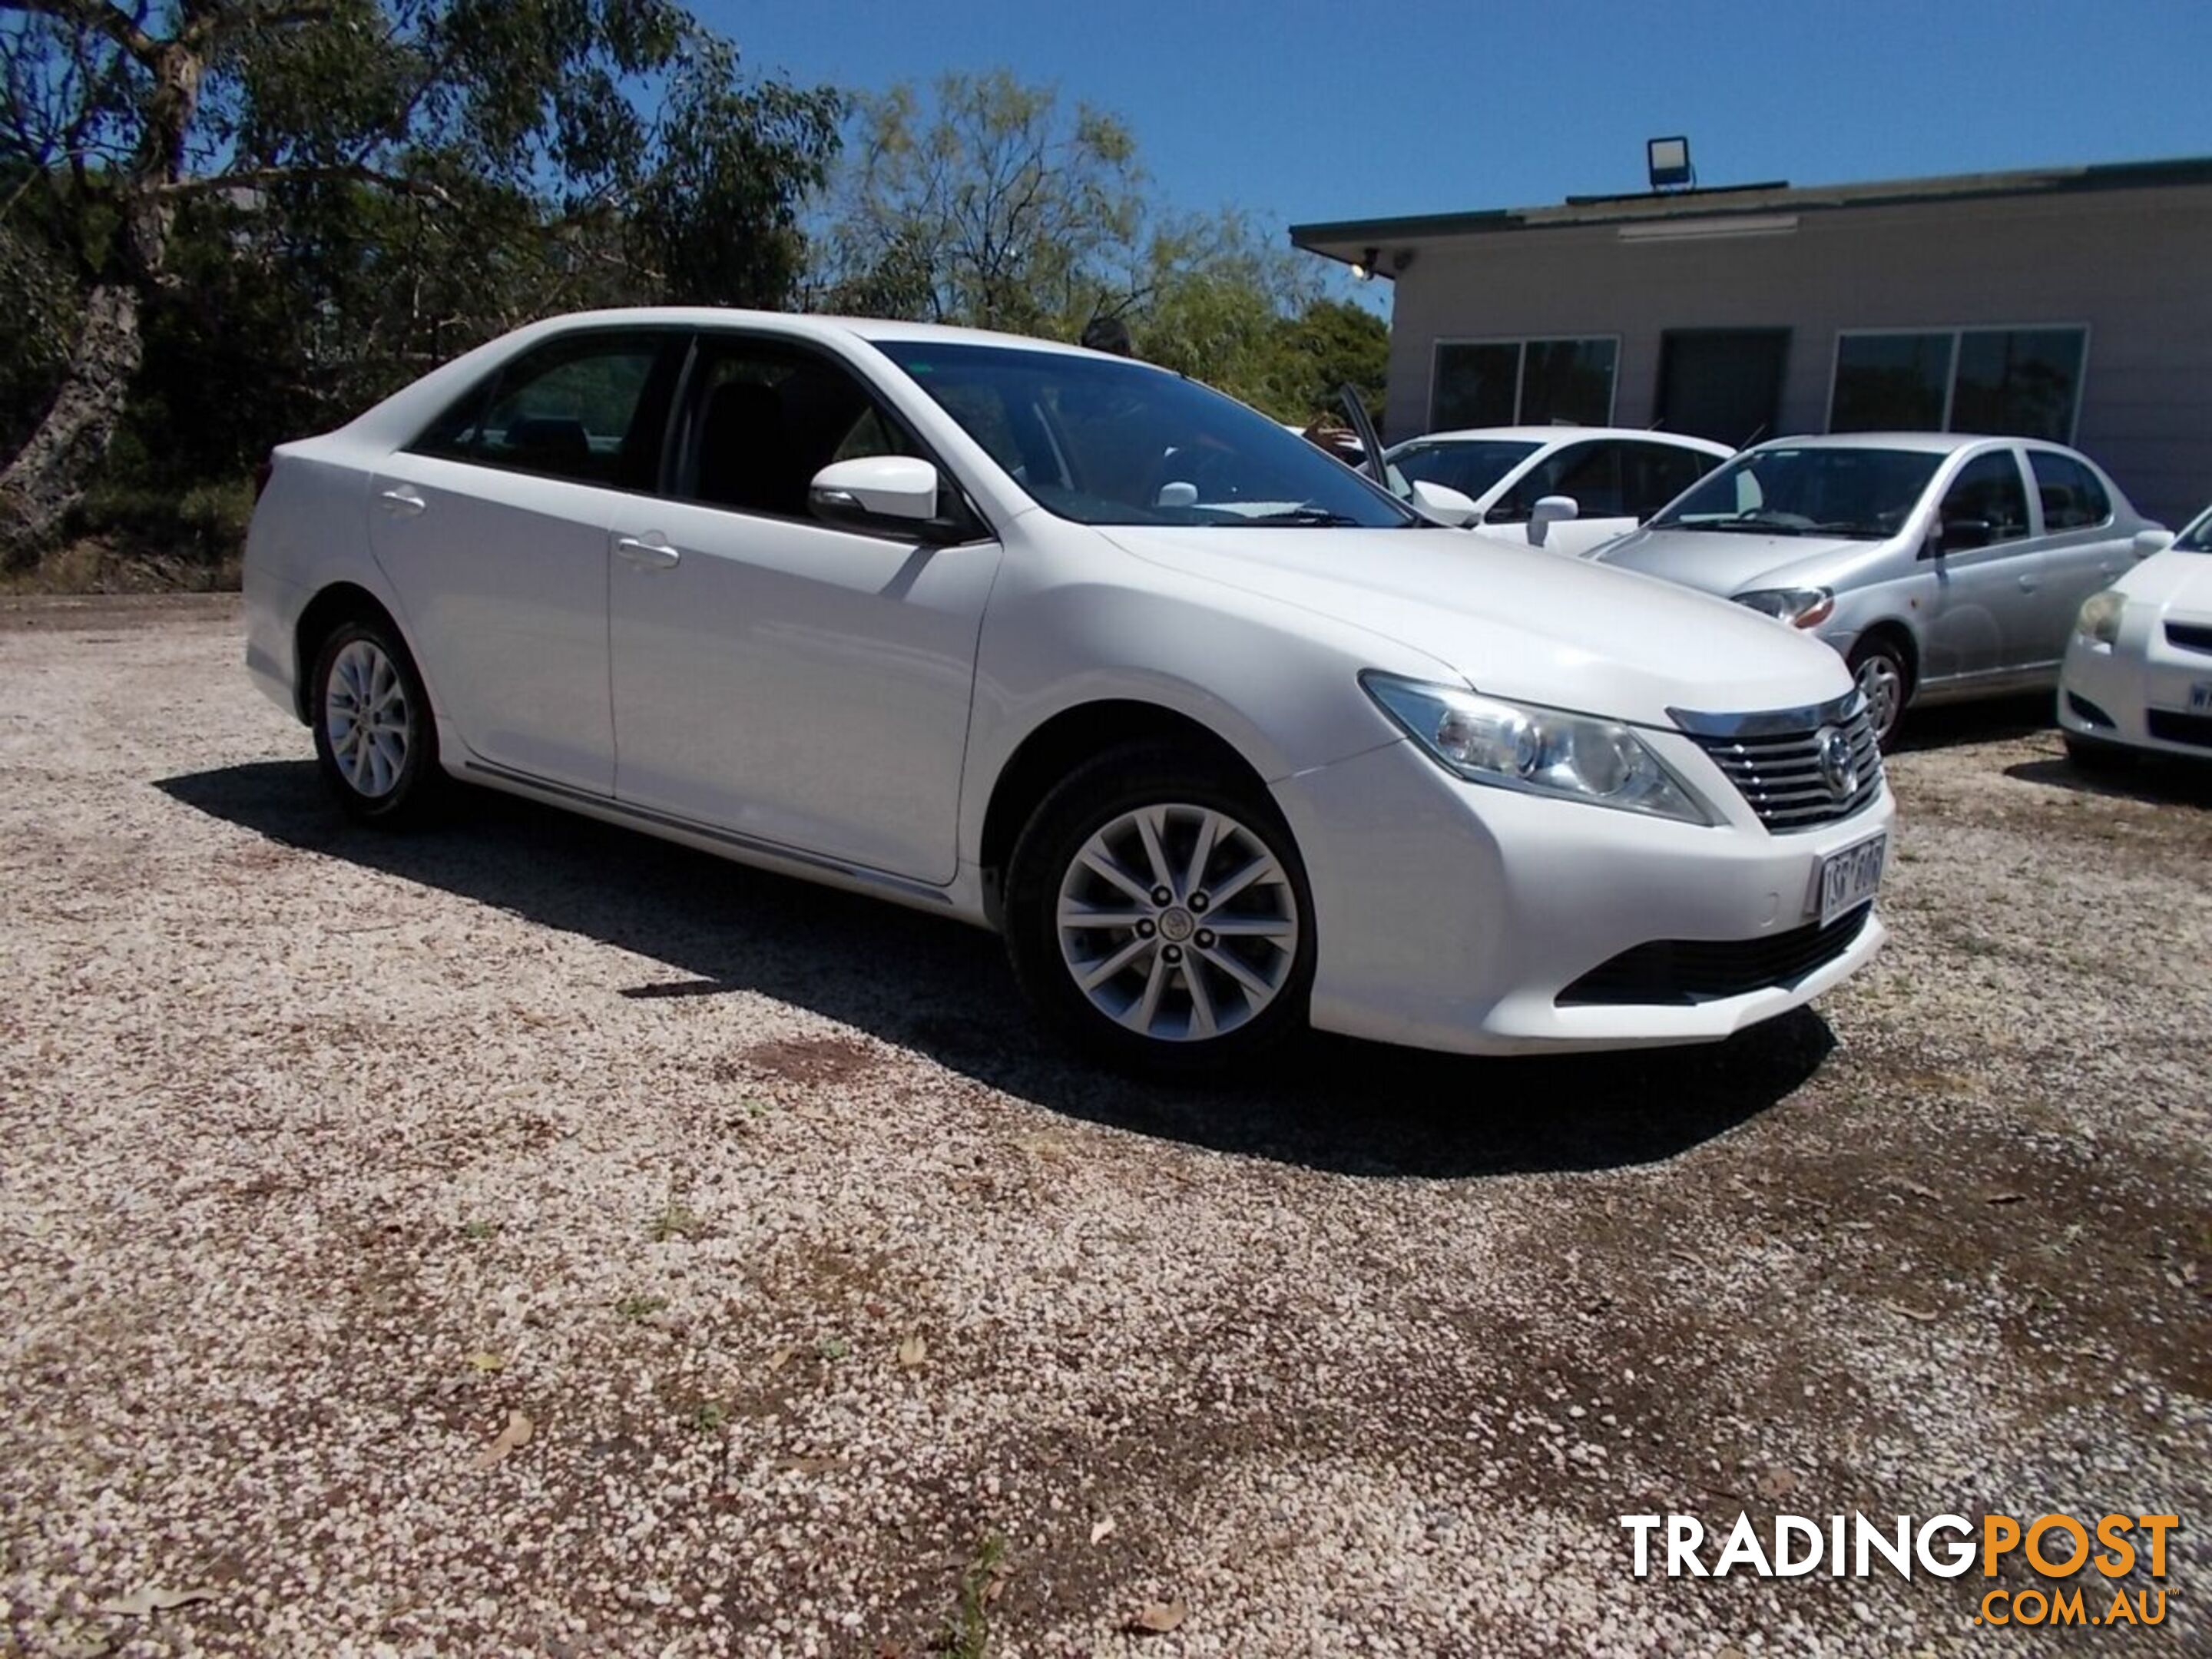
<point>1668,160</point>
<point>1362,268</point>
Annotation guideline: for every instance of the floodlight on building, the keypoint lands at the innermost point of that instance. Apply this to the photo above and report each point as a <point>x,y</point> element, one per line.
<point>1669,162</point>
<point>1362,268</point>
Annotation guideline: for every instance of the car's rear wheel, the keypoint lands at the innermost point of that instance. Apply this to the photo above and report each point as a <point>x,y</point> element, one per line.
<point>1885,680</point>
<point>374,738</point>
<point>1157,914</point>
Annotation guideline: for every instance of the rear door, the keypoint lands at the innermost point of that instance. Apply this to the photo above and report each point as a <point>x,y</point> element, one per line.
<point>2083,545</point>
<point>492,528</point>
<point>776,676</point>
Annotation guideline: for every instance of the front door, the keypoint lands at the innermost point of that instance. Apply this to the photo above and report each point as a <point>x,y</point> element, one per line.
<point>1985,595</point>
<point>1724,384</point>
<point>1590,474</point>
<point>776,676</point>
<point>492,529</point>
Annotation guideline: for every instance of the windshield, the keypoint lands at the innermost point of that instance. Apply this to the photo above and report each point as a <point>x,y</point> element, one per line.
<point>1866,494</point>
<point>1471,467</point>
<point>2198,538</point>
<point>1105,441</point>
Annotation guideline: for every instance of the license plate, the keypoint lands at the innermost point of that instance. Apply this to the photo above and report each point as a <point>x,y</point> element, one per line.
<point>1848,879</point>
<point>2200,697</point>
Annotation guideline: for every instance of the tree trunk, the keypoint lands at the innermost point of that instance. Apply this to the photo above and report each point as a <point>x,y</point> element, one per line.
<point>48,476</point>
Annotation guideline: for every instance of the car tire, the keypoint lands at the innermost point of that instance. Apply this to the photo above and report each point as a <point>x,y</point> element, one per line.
<point>1157,915</point>
<point>1885,679</point>
<point>2091,755</point>
<point>376,742</point>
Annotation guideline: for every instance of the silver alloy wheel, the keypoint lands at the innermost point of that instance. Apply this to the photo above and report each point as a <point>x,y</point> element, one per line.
<point>368,718</point>
<point>1883,684</point>
<point>1177,922</point>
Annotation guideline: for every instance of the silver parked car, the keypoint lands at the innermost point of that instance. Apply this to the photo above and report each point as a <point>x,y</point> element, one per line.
<point>1940,565</point>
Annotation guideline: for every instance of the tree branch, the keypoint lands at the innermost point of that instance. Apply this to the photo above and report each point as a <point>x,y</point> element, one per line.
<point>99,17</point>
<point>261,178</point>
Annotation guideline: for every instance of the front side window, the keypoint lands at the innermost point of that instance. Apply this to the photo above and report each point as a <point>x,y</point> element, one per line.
<point>2197,538</point>
<point>1589,472</point>
<point>1988,490</point>
<point>586,408</point>
<point>1652,475</point>
<point>1863,494</point>
<point>1523,383</point>
<point>2010,382</point>
<point>2073,496</point>
<point>1108,441</point>
<point>764,417</point>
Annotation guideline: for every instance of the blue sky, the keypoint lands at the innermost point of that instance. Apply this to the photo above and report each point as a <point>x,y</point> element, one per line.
<point>1296,110</point>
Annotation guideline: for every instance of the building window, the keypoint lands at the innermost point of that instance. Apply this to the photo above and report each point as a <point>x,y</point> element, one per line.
<point>2009,382</point>
<point>1523,383</point>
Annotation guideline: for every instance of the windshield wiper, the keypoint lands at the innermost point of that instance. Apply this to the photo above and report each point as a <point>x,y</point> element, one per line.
<point>1756,524</point>
<point>1308,515</point>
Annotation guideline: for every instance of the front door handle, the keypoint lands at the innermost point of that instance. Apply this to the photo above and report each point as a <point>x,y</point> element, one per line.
<point>401,502</point>
<point>646,555</point>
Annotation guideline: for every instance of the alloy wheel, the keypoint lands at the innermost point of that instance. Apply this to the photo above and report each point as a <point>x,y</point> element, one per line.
<point>1882,684</point>
<point>368,718</point>
<point>1177,923</point>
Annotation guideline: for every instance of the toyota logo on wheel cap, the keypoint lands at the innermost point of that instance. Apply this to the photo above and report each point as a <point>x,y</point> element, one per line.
<point>1839,770</point>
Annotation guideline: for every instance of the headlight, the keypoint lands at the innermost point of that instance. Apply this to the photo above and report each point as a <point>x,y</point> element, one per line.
<point>2099,621</point>
<point>1539,751</point>
<point>1801,607</point>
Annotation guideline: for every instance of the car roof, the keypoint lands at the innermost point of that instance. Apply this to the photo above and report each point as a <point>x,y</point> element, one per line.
<point>1552,434</point>
<point>806,325</point>
<point>1931,443</point>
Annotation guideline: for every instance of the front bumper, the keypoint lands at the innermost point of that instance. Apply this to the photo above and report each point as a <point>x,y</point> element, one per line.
<point>2125,681</point>
<point>1451,916</point>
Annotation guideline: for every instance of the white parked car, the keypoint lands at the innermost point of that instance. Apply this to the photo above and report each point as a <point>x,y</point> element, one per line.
<point>1567,489</point>
<point>2137,677</point>
<point>1217,734</point>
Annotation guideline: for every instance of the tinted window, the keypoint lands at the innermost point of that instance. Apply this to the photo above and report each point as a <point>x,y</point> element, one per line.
<point>1476,385</point>
<point>764,417</point>
<point>1104,440</point>
<point>587,408</point>
<point>1891,382</point>
<point>2072,496</point>
<point>1567,381</point>
<point>2020,383</point>
<point>1589,472</point>
<point>1988,488</point>
<point>1652,475</point>
<point>2196,537</point>
<point>1472,468</point>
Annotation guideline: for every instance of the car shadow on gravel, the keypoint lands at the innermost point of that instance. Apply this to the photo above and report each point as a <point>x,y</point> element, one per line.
<point>943,989</point>
<point>1948,725</point>
<point>2156,781</point>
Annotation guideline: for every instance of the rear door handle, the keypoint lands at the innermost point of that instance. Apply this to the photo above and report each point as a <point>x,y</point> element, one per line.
<point>401,502</point>
<point>2028,584</point>
<point>646,555</point>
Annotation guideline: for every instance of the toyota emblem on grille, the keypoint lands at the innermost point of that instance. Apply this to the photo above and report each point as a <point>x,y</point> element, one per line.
<point>1838,769</point>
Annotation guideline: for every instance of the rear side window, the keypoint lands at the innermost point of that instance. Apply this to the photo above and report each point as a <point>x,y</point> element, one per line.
<point>1988,488</point>
<point>585,408</point>
<point>2072,496</point>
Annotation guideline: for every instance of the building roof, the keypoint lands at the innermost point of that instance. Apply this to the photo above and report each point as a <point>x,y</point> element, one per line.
<point>1350,240</point>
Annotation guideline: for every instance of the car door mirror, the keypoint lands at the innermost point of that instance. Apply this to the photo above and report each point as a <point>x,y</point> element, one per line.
<point>1964,535</point>
<point>2149,542</point>
<point>1548,511</point>
<point>1444,503</point>
<point>895,493</point>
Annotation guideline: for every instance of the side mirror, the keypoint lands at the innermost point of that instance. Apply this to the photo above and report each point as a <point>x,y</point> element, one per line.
<point>1548,511</point>
<point>2149,542</point>
<point>896,493</point>
<point>1964,535</point>
<point>1444,503</point>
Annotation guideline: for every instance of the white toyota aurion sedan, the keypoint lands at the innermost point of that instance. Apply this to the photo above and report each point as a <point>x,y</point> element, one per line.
<point>2137,677</point>
<point>1221,737</point>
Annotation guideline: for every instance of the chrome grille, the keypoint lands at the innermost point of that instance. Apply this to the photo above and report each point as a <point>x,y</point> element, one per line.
<point>1774,760</point>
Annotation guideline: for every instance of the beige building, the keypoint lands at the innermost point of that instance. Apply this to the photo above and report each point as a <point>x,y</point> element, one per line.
<point>2073,303</point>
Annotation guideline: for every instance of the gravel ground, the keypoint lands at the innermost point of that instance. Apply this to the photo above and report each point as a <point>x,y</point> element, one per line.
<point>843,1318</point>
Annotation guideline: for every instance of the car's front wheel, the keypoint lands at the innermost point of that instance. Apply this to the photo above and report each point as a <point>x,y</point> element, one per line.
<point>375,739</point>
<point>1157,914</point>
<point>1886,680</point>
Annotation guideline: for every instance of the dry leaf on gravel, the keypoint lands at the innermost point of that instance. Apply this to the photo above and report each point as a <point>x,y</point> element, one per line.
<point>486,1362</point>
<point>780,1359</point>
<point>140,1602</point>
<point>913,1351</point>
<point>2004,1198</point>
<point>1102,1531</point>
<point>1158,1618</point>
<point>512,1438</point>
